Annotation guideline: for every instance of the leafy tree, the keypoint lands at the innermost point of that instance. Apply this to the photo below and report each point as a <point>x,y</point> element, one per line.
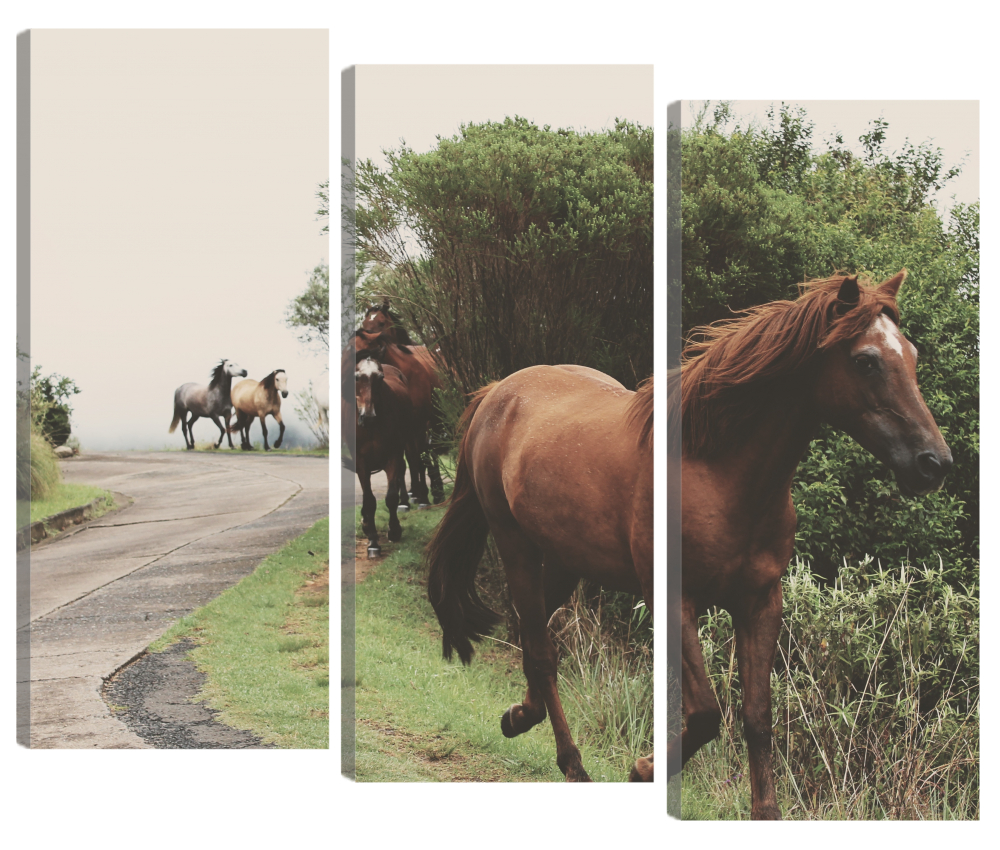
<point>762,212</point>
<point>50,409</point>
<point>310,311</point>
<point>511,245</point>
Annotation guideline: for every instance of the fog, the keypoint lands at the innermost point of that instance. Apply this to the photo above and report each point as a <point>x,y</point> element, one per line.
<point>173,217</point>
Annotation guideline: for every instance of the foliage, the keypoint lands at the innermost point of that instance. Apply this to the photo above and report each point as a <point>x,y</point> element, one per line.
<point>511,245</point>
<point>762,212</point>
<point>309,412</point>
<point>50,409</point>
<point>875,699</point>
<point>44,475</point>
<point>310,311</point>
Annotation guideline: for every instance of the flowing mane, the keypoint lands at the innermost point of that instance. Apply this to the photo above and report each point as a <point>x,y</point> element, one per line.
<point>732,368</point>
<point>218,375</point>
<point>639,415</point>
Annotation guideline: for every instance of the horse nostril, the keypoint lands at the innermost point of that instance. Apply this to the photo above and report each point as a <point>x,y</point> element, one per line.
<point>932,467</point>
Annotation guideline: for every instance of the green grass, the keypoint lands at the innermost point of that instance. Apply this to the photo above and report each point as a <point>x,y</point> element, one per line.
<point>264,645</point>
<point>421,718</point>
<point>209,446</point>
<point>66,496</point>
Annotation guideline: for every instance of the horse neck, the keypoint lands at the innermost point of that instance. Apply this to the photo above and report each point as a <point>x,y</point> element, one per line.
<point>222,390</point>
<point>762,464</point>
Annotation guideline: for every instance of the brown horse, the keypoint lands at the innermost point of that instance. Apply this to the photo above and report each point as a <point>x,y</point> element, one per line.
<point>381,411</point>
<point>557,463</point>
<point>753,392</point>
<point>258,399</point>
<point>417,364</point>
<point>379,319</point>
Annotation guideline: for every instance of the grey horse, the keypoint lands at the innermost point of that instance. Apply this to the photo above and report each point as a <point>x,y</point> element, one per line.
<point>212,402</point>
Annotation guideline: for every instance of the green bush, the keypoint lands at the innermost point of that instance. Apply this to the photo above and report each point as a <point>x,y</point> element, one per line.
<point>512,245</point>
<point>875,693</point>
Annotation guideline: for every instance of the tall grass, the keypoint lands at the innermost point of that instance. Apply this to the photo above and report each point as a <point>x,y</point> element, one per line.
<point>606,675</point>
<point>43,466</point>
<point>875,697</point>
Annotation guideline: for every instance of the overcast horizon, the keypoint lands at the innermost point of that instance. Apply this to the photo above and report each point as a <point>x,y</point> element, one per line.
<point>173,217</point>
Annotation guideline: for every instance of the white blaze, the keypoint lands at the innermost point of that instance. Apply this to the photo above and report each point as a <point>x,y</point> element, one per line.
<point>890,334</point>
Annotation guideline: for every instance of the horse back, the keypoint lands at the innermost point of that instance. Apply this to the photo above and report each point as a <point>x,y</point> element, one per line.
<point>548,450</point>
<point>242,395</point>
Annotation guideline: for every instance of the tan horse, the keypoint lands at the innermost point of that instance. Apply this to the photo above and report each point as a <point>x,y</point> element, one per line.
<point>258,399</point>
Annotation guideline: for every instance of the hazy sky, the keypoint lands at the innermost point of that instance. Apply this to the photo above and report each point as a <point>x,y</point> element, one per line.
<point>419,102</point>
<point>174,177</point>
<point>952,125</point>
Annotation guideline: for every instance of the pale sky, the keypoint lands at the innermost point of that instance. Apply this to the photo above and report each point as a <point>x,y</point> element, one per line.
<point>952,125</point>
<point>419,102</point>
<point>174,175</point>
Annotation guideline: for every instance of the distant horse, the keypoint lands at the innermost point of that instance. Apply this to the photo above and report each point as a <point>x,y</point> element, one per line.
<point>417,364</point>
<point>252,399</point>
<point>212,402</point>
<point>753,392</point>
<point>557,463</point>
<point>379,319</point>
<point>380,409</point>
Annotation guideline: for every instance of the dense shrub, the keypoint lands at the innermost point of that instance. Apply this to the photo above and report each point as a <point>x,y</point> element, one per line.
<point>511,245</point>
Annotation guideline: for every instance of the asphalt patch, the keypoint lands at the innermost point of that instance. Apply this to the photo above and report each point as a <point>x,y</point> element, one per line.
<point>153,697</point>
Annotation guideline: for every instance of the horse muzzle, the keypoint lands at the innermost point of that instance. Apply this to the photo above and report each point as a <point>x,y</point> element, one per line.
<point>284,393</point>
<point>925,472</point>
<point>365,418</point>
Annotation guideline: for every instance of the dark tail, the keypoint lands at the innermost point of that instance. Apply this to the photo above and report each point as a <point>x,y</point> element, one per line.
<point>177,420</point>
<point>453,557</point>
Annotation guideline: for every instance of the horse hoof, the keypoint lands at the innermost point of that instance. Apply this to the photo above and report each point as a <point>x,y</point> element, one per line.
<point>395,536</point>
<point>642,771</point>
<point>505,724</point>
<point>374,552</point>
<point>402,509</point>
<point>422,505</point>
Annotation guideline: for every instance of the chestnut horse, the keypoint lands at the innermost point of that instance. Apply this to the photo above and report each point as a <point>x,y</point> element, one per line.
<point>379,319</point>
<point>380,408</point>
<point>252,399</point>
<point>417,364</point>
<point>753,392</point>
<point>557,463</point>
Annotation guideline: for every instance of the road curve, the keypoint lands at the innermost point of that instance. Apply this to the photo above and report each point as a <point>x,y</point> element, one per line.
<point>198,522</point>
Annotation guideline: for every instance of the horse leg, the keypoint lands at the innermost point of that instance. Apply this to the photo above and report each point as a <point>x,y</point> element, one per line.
<point>437,486</point>
<point>394,468</point>
<point>281,425</point>
<point>558,587</point>
<point>368,506</point>
<point>263,429</point>
<point>222,431</point>
<point>418,487</point>
<point>190,427</point>
<point>523,566</point>
<point>756,626</point>
<point>701,709</point>
<point>227,417</point>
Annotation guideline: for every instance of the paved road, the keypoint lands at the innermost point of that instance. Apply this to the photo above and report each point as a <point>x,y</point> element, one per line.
<point>197,524</point>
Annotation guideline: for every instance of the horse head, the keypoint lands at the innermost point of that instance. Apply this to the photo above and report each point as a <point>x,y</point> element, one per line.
<point>234,370</point>
<point>281,382</point>
<point>867,387</point>
<point>377,318</point>
<point>367,376</point>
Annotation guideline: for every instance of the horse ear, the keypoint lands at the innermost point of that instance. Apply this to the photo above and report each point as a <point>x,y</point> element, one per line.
<point>891,286</point>
<point>849,293</point>
<point>385,304</point>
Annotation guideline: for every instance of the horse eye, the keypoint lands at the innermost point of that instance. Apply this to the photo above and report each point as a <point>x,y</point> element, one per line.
<point>865,364</point>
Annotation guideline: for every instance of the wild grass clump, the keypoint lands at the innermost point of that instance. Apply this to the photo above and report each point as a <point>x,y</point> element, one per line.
<point>875,697</point>
<point>45,475</point>
<point>606,674</point>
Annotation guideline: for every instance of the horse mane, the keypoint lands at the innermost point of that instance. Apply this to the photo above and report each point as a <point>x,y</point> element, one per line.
<point>218,375</point>
<point>731,369</point>
<point>268,382</point>
<point>639,414</point>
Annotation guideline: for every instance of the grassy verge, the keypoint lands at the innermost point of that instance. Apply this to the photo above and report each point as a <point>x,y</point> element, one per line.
<point>420,718</point>
<point>264,645</point>
<point>66,496</point>
<point>209,446</point>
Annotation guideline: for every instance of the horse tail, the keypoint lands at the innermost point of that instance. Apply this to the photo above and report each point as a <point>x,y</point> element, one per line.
<point>453,557</point>
<point>178,415</point>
